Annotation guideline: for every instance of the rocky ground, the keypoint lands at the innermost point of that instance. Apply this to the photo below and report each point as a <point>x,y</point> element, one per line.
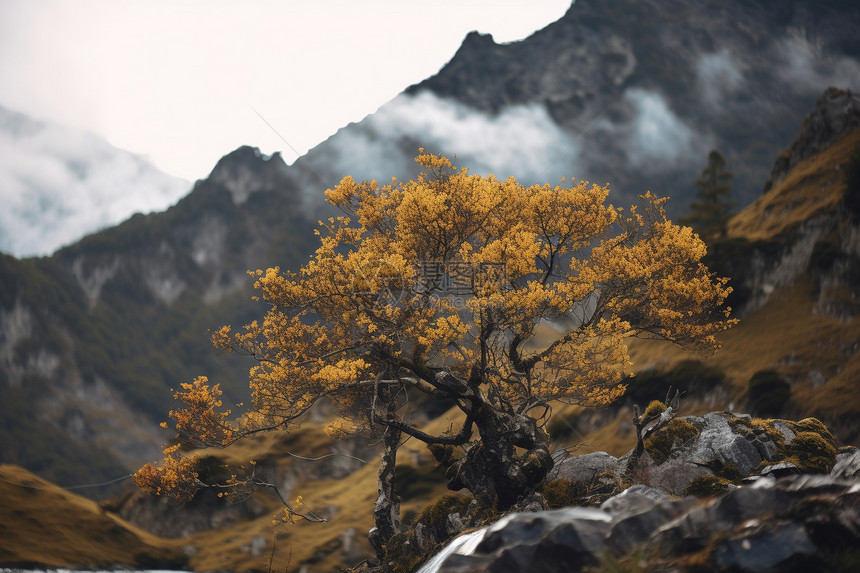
<point>733,494</point>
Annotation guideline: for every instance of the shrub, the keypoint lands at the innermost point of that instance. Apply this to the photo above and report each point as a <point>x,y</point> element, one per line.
<point>767,393</point>
<point>677,432</point>
<point>707,485</point>
<point>816,426</point>
<point>563,492</point>
<point>655,408</point>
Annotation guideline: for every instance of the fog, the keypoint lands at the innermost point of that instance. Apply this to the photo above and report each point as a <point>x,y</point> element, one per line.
<point>58,184</point>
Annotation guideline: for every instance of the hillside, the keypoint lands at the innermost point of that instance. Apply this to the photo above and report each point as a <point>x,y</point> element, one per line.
<point>789,332</point>
<point>793,256</point>
<point>41,524</point>
<point>92,338</point>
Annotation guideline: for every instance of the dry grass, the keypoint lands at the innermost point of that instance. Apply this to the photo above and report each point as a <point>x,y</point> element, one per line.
<point>42,523</point>
<point>815,185</point>
<point>346,503</point>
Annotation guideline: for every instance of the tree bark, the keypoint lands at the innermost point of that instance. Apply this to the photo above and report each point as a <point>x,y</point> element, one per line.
<point>386,514</point>
<point>492,469</point>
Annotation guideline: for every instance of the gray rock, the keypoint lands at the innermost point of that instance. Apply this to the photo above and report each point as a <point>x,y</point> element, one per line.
<point>796,523</point>
<point>780,470</point>
<point>584,468</point>
<point>536,542</point>
<point>634,499</point>
<point>786,432</point>
<point>782,549</point>
<point>718,442</point>
<point>847,466</point>
<point>632,528</point>
<point>674,475</point>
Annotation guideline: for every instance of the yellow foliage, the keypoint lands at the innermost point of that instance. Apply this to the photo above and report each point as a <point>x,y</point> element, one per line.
<point>454,272</point>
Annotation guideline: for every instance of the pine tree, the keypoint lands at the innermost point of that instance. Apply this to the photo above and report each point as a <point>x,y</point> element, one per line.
<point>710,212</point>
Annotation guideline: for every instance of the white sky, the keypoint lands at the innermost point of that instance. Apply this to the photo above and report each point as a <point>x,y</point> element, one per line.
<point>179,80</point>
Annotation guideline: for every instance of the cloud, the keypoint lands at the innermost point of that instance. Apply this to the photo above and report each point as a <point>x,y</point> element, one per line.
<point>807,66</point>
<point>651,136</point>
<point>521,141</point>
<point>58,184</point>
<point>718,75</point>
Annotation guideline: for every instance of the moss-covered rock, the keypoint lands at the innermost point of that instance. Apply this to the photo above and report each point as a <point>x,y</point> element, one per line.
<point>677,432</point>
<point>811,452</point>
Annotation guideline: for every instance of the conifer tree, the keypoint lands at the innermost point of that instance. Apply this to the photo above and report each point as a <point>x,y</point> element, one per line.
<point>710,212</point>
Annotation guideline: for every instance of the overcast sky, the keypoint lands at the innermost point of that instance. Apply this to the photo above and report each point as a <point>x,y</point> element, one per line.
<point>183,81</point>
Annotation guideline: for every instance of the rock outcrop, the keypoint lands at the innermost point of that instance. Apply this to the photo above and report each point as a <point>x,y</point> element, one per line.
<point>837,112</point>
<point>795,523</point>
<point>722,492</point>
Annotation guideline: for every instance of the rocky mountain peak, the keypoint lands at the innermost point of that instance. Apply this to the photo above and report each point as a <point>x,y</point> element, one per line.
<point>836,112</point>
<point>247,170</point>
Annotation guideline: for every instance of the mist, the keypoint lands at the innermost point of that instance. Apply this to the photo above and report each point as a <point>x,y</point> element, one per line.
<point>59,184</point>
<point>521,141</point>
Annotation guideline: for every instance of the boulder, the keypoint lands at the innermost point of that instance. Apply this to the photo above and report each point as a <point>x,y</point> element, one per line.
<point>533,542</point>
<point>584,468</point>
<point>795,523</point>
<point>719,443</point>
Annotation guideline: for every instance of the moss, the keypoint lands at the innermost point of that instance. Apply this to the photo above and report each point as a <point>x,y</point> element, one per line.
<point>729,472</point>
<point>402,553</point>
<point>812,453</point>
<point>814,425</point>
<point>435,515</point>
<point>707,485</point>
<point>766,427</point>
<point>563,492</point>
<point>655,408</point>
<point>659,445</point>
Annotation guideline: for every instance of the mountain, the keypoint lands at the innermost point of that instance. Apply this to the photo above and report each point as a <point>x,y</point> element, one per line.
<point>58,184</point>
<point>636,93</point>
<point>92,338</point>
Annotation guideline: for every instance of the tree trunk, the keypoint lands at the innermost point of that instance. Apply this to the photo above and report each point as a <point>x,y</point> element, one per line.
<point>386,514</point>
<point>493,470</point>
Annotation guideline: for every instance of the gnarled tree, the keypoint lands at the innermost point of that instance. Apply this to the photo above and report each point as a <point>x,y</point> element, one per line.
<point>438,285</point>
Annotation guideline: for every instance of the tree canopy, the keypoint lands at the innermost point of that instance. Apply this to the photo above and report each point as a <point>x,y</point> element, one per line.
<point>439,285</point>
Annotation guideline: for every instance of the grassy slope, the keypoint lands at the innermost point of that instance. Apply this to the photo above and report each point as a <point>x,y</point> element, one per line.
<point>813,186</point>
<point>41,523</point>
<point>785,335</point>
<point>347,503</point>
